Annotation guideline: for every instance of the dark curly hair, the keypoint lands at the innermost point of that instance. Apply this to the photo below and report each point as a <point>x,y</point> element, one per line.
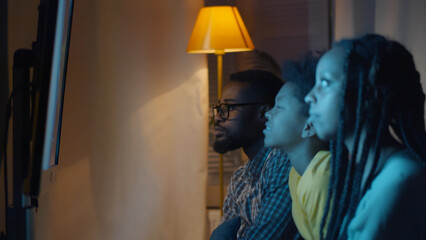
<point>383,90</point>
<point>302,74</point>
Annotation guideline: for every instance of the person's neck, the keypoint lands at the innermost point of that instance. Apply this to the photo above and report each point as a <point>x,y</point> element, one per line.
<point>252,149</point>
<point>303,153</point>
<point>388,147</point>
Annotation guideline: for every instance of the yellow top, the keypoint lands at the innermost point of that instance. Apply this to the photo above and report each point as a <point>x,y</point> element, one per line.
<point>309,195</point>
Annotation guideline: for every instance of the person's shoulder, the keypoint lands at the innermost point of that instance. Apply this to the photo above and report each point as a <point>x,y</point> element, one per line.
<point>316,177</point>
<point>276,168</point>
<point>320,163</point>
<point>276,159</point>
<point>403,167</point>
<point>238,174</point>
<point>395,201</point>
<point>402,175</point>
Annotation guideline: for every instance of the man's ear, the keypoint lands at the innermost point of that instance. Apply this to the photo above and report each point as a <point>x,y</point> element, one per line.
<point>262,110</point>
<point>308,130</point>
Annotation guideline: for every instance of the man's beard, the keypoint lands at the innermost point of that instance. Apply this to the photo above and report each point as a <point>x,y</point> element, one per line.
<point>228,144</point>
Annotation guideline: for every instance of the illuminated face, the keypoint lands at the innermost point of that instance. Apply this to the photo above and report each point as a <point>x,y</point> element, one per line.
<point>285,120</point>
<point>325,96</point>
<point>243,126</point>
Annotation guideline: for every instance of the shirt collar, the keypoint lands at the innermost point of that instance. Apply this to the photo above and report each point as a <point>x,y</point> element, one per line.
<point>254,166</point>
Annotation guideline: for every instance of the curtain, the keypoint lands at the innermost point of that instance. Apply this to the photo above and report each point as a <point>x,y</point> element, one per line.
<point>401,20</point>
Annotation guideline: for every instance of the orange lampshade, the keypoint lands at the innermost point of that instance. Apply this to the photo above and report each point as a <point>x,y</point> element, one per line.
<point>219,29</point>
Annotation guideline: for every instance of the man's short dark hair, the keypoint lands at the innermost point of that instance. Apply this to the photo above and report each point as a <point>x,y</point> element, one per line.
<point>265,84</point>
<point>302,74</point>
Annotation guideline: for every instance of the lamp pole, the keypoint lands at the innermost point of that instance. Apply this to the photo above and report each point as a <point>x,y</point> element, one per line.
<point>219,54</point>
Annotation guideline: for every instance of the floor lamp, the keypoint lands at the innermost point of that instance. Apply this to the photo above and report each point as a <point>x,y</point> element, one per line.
<point>218,30</point>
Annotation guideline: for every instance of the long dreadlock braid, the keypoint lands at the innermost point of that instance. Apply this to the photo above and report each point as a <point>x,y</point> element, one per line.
<point>337,177</point>
<point>383,86</point>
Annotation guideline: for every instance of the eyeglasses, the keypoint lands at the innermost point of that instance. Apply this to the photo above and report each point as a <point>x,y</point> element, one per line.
<point>222,109</point>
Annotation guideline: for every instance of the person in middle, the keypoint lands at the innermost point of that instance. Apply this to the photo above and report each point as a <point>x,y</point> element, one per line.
<point>287,129</point>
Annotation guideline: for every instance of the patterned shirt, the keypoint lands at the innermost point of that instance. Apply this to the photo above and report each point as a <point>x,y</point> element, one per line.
<point>259,193</point>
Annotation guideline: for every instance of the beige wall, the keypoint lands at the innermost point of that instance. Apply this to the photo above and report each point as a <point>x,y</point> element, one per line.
<point>134,142</point>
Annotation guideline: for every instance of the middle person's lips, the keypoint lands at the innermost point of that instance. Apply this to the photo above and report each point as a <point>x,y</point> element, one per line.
<point>267,127</point>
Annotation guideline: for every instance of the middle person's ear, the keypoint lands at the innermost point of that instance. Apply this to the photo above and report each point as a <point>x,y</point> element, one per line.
<point>308,130</point>
<point>262,111</point>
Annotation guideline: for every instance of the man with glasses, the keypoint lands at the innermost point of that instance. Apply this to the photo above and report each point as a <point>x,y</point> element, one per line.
<point>258,202</point>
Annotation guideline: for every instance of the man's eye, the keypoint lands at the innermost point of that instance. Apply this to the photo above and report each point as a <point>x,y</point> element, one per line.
<point>222,109</point>
<point>324,83</point>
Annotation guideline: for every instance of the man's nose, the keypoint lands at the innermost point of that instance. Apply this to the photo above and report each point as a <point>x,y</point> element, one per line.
<point>218,118</point>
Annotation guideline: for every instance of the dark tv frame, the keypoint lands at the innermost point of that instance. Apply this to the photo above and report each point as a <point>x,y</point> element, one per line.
<point>37,111</point>
<point>51,49</point>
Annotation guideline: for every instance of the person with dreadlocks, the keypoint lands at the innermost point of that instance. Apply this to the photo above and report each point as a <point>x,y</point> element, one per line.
<point>369,101</point>
<point>287,129</point>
